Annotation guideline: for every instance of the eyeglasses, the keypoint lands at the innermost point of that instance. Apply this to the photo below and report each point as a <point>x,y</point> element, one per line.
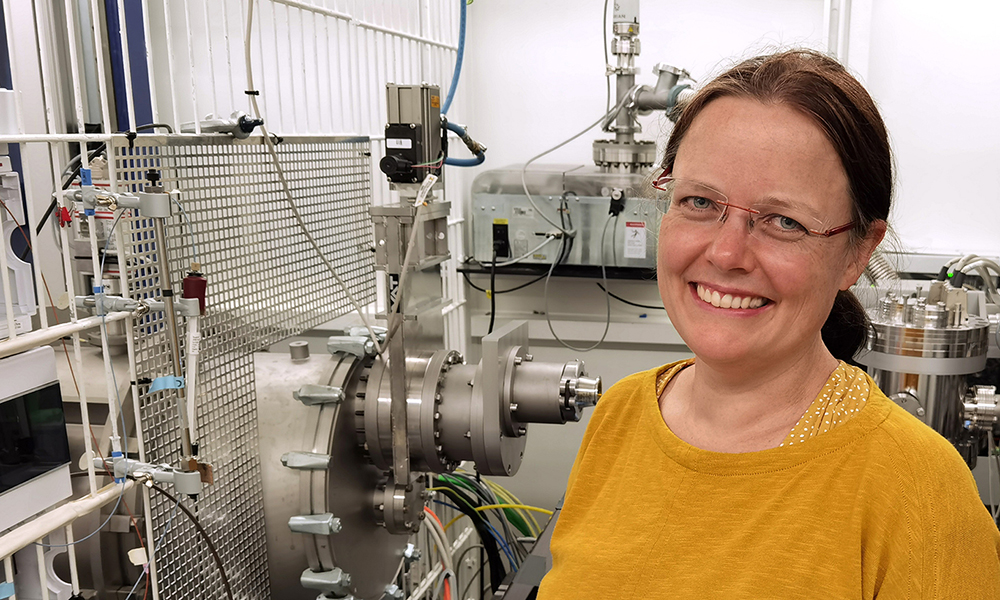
<point>778,221</point>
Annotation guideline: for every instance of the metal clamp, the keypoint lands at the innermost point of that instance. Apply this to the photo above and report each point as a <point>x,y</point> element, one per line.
<point>323,524</point>
<point>312,394</point>
<point>185,482</point>
<point>357,345</point>
<point>306,461</point>
<point>335,582</point>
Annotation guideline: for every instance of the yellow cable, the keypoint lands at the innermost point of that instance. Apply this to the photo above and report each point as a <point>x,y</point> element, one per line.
<point>526,515</point>
<point>452,522</point>
<point>512,499</point>
<point>521,506</point>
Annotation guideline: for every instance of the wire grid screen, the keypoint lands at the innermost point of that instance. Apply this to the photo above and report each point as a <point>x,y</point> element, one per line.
<point>265,283</point>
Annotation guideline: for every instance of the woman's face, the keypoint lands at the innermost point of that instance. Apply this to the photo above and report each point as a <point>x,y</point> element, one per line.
<point>755,154</point>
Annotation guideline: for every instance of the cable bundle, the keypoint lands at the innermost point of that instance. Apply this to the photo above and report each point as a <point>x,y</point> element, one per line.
<point>497,516</point>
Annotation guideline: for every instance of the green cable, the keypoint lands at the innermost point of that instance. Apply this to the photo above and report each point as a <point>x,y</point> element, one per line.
<point>511,514</point>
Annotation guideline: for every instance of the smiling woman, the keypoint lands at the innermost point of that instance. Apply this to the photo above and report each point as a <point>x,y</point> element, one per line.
<point>768,466</point>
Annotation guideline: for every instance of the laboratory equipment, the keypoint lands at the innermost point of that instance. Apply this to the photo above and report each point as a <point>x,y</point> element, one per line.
<point>18,275</point>
<point>362,430</point>
<point>34,449</point>
<point>581,198</point>
<point>925,351</point>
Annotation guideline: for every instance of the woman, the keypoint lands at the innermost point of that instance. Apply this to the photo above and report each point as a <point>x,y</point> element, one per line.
<point>768,467</point>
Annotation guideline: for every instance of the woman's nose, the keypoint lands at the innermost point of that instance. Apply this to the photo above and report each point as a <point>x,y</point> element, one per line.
<point>731,246</point>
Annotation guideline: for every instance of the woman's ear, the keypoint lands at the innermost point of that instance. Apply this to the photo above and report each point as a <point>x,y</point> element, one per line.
<point>864,253</point>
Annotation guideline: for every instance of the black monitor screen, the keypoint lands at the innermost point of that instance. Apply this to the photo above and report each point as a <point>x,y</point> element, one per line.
<point>32,436</point>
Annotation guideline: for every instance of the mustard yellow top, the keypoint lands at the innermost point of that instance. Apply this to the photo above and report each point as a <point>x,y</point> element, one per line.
<point>879,506</point>
<point>843,395</point>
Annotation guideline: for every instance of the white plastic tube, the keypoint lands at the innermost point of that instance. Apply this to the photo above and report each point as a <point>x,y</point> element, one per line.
<point>191,378</point>
<point>53,333</point>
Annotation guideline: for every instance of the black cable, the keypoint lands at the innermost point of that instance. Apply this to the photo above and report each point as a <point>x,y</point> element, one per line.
<point>462,556</point>
<point>204,535</point>
<point>513,289</point>
<point>629,302</point>
<point>493,296</point>
<point>467,506</point>
<point>479,573</point>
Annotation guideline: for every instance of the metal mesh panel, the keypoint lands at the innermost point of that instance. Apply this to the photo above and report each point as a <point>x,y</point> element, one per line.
<point>265,283</point>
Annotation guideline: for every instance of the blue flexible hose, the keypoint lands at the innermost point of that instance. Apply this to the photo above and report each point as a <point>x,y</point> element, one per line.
<point>463,162</point>
<point>458,62</point>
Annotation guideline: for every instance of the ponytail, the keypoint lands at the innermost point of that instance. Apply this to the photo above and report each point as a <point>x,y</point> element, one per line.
<point>846,329</point>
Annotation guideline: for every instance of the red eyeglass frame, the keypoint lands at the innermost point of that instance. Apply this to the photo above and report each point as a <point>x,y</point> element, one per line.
<point>666,177</point>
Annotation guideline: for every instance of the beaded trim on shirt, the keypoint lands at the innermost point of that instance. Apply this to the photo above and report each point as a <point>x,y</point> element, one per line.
<point>843,395</point>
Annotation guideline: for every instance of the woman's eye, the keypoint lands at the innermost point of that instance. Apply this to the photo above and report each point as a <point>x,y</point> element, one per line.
<point>787,223</point>
<point>700,203</point>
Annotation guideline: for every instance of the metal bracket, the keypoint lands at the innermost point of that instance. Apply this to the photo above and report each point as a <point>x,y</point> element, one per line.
<point>357,345</point>
<point>324,524</point>
<point>334,582</point>
<point>312,394</point>
<point>306,461</point>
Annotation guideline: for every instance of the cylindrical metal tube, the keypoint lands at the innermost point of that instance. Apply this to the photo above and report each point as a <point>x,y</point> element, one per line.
<point>455,424</point>
<point>167,292</point>
<point>536,395</point>
<point>623,123</point>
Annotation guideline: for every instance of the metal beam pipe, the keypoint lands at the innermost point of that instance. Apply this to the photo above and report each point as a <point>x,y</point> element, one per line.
<point>45,524</point>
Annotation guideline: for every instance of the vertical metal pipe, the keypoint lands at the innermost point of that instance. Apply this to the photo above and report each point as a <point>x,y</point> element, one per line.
<point>74,62</point>
<point>148,38</point>
<point>623,122</point>
<point>211,58</point>
<point>167,294</point>
<point>137,412</point>
<point>168,36</point>
<point>43,575</point>
<point>98,287</point>
<point>74,573</point>
<point>194,82</point>
<point>123,37</point>
<point>101,79</point>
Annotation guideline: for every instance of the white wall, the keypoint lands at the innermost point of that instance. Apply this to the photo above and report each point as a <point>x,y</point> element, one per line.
<point>932,69</point>
<point>536,69</point>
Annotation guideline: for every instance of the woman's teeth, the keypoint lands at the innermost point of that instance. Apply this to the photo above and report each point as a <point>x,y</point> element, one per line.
<point>728,300</point>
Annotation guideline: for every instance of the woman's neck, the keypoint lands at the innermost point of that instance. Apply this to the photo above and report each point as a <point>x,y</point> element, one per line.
<point>726,408</point>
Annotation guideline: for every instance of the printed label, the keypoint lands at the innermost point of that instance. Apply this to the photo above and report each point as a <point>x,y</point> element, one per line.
<point>435,101</point>
<point>500,221</point>
<point>635,239</point>
<point>402,143</point>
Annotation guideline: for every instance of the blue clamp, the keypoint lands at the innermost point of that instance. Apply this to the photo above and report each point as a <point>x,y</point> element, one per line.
<point>6,590</point>
<point>116,454</point>
<point>85,177</point>
<point>166,383</point>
